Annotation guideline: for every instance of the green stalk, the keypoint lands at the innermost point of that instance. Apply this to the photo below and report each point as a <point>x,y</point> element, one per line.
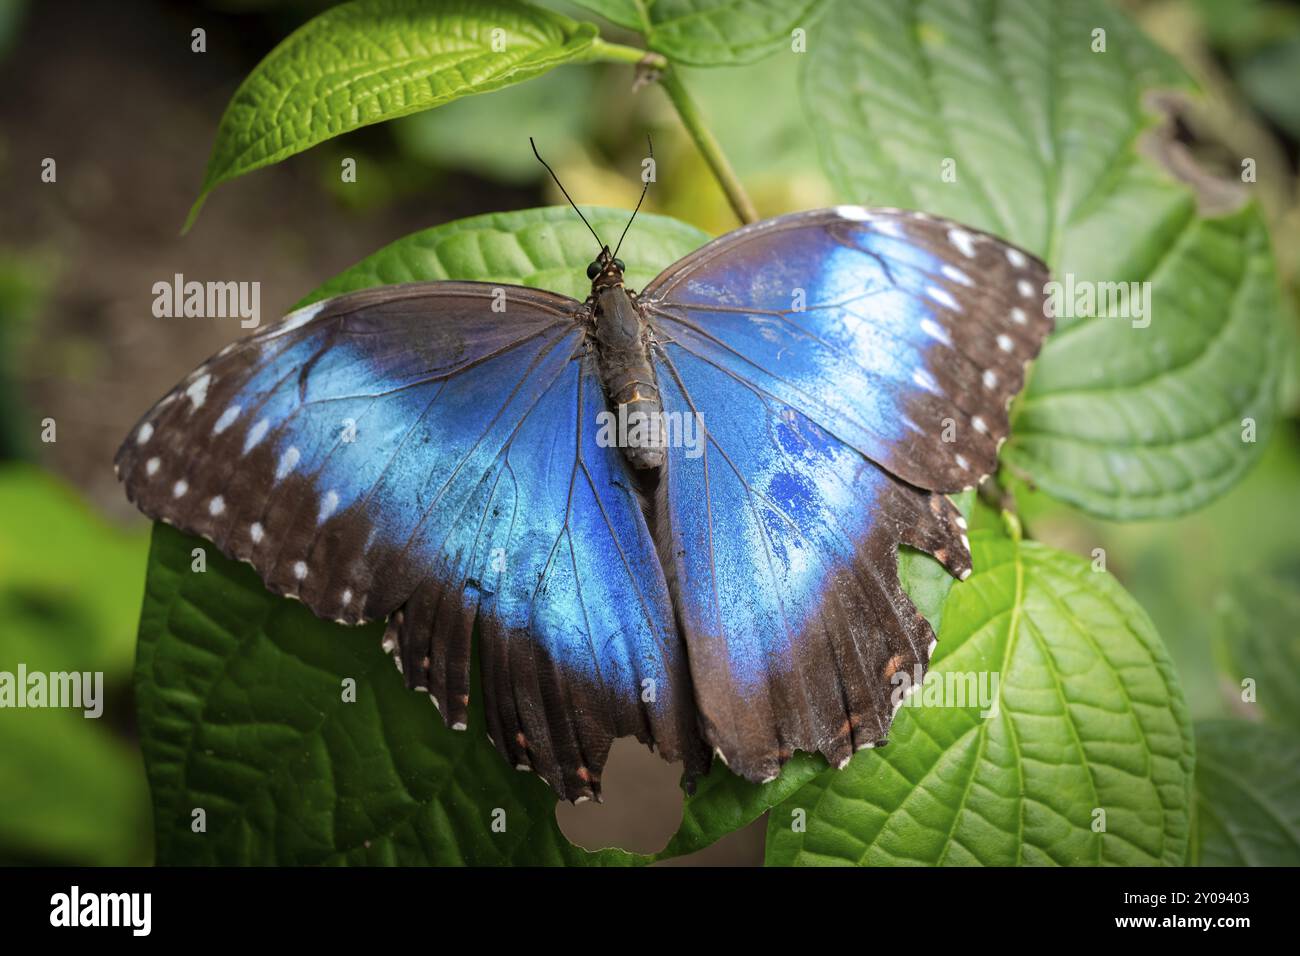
<point>708,146</point>
<point>604,52</point>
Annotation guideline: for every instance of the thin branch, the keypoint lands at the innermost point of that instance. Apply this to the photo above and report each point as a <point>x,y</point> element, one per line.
<point>708,146</point>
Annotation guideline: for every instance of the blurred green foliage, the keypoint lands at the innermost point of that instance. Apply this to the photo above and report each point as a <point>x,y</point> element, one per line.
<point>72,788</point>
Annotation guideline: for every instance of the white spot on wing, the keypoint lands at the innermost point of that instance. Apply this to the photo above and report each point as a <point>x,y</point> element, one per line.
<point>943,297</point>
<point>925,380</point>
<point>216,506</point>
<point>300,569</point>
<point>296,320</point>
<point>179,489</point>
<point>1016,258</point>
<point>255,435</point>
<point>936,331</point>
<point>964,242</point>
<point>1018,316</point>
<point>226,420</point>
<point>856,213</point>
<point>347,596</point>
<point>990,379</point>
<point>198,390</point>
<point>287,462</point>
<point>978,424</point>
<point>255,532</point>
<point>151,466</point>
<point>888,227</point>
<point>1025,288</point>
<point>956,275</point>
<point>328,503</point>
<point>144,434</point>
<point>1005,343</point>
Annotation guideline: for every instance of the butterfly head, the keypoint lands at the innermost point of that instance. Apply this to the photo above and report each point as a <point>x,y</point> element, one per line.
<point>605,271</point>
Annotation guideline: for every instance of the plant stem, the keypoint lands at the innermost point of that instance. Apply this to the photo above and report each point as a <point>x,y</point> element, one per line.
<point>708,146</point>
<point>602,51</point>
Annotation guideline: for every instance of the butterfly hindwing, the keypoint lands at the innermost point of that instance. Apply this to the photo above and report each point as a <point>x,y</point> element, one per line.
<point>408,453</point>
<point>784,542</point>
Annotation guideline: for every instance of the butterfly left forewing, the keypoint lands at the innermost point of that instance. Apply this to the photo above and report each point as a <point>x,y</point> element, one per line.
<point>411,453</point>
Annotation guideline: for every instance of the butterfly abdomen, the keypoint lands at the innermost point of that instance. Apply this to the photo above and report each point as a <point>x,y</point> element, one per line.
<point>628,379</point>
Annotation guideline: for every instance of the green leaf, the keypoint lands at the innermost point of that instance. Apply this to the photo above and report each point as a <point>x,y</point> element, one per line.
<point>1257,640</point>
<point>1247,795</point>
<point>712,32</point>
<point>373,60</point>
<point>71,791</point>
<point>723,803</point>
<point>1089,716</point>
<point>240,691</point>
<point>1053,149</point>
<point>547,248</point>
<point>467,134</point>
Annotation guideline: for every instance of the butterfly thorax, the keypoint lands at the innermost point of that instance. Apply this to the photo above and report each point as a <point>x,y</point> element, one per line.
<point>623,359</point>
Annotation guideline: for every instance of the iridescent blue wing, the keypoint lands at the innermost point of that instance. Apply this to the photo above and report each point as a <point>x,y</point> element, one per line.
<point>903,334</point>
<point>409,453</point>
<point>846,366</point>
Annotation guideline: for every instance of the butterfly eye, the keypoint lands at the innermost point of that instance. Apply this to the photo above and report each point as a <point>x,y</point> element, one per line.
<point>593,270</point>
<point>618,264</point>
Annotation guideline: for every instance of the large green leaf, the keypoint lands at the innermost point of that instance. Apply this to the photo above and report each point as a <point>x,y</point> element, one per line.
<point>373,60</point>
<point>547,248</point>
<point>1247,795</point>
<point>1052,149</point>
<point>240,691</point>
<point>713,32</point>
<point>1089,717</point>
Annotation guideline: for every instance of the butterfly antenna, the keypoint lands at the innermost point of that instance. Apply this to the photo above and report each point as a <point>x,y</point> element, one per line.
<point>565,191</point>
<point>639,201</point>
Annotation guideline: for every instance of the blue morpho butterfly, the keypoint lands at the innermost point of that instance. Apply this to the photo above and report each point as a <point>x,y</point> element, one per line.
<point>725,582</point>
